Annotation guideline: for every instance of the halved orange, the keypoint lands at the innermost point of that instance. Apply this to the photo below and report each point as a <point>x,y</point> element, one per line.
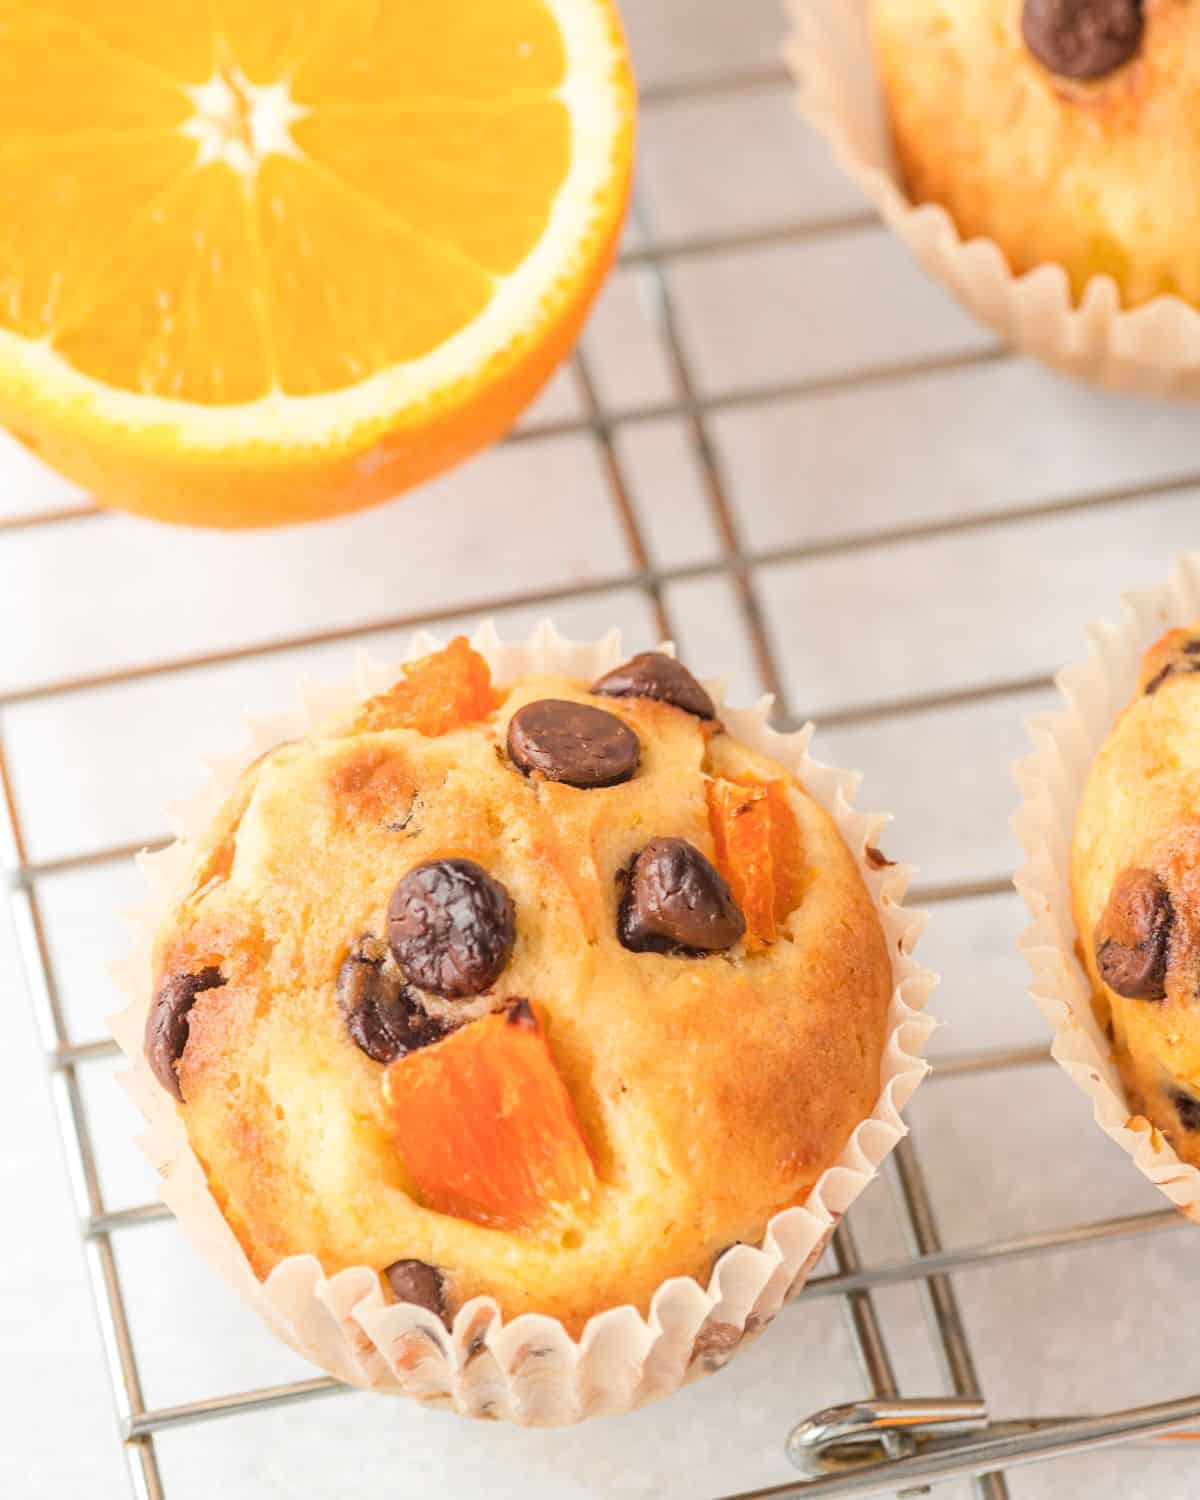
<point>265,262</point>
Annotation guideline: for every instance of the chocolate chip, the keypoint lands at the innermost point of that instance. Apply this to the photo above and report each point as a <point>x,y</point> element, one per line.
<point>1187,1107</point>
<point>652,674</point>
<point>1159,678</point>
<point>1082,38</point>
<point>451,927</point>
<point>1178,666</point>
<point>572,742</point>
<point>675,902</point>
<point>167,1025</point>
<point>382,1015</point>
<point>1134,937</point>
<point>415,1281</point>
<point>877,859</point>
<point>520,1013</point>
<point>714,1344</point>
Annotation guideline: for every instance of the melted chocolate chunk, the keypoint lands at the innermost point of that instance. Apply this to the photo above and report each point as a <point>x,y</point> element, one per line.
<point>572,742</point>
<point>1134,938</point>
<point>520,1013</point>
<point>1082,38</point>
<point>167,1024</point>
<point>1183,665</point>
<point>451,927</point>
<point>877,859</point>
<point>1187,1107</point>
<point>715,1343</point>
<point>675,902</point>
<point>415,1281</point>
<point>382,1014</point>
<point>651,674</point>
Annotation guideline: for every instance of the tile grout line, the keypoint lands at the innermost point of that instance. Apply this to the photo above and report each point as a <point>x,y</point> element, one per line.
<point>735,399</point>
<point>719,506</point>
<point>939,1290</point>
<point>99,1255</point>
<point>800,552</point>
<point>619,493</point>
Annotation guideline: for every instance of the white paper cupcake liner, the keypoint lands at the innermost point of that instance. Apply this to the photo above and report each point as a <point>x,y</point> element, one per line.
<point>1051,781</point>
<point>530,1370</point>
<point>1153,350</point>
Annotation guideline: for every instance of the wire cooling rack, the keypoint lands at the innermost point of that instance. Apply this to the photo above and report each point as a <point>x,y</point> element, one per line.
<point>890,1441</point>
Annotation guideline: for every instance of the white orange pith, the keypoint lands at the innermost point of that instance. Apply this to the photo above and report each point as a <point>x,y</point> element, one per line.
<point>261,263</point>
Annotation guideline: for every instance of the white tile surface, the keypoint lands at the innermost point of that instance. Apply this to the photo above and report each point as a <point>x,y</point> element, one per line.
<point>945,613</point>
<point>58,1435</point>
<point>732,163</point>
<point>678,41</point>
<point>628,362</point>
<point>28,488</point>
<point>825,307</point>
<point>939,447</point>
<point>114,591</point>
<point>1002,602</point>
<point>945,774</point>
<point>666,484</point>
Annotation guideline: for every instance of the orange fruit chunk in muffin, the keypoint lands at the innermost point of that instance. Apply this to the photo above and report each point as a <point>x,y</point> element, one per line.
<point>759,851</point>
<point>485,1125</point>
<point>437,694</point>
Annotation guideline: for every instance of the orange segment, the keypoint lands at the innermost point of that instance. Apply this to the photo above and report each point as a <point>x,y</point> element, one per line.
<point>290,258</point>
<point>330,332</point>
<point>445,175</point>
<point>486,1127</point>
<point>46,188</point>
<point>269,41</point>
<point>57,79</point>
<point>165,315</point>
<point>178,41</point>
<point>759,851</point>
<point>437,694</point>
<point>455,49</point>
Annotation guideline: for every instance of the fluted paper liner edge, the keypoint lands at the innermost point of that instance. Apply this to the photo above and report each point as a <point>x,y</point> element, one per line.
<point>1051,780</point>
<point>1153,350</point>
<point>530,1370</point>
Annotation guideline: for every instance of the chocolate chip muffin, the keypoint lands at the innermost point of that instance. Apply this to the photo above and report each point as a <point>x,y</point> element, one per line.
<point>547,990</point>
<point>1061,129</point>
<point>1135,878</point>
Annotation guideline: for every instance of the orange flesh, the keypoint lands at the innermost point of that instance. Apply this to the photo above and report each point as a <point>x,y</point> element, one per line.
<point>759,851</point>
<point>486,1127</point>
<point>263,261</point>
<point>418,159</point>
<point>437,694</point>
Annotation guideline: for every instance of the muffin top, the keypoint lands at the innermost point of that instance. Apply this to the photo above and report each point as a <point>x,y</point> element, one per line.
<point>1135,878</point>
<point>1062,129</point>
<point>547,993</point>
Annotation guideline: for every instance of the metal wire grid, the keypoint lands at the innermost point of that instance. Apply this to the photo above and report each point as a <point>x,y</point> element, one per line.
<point>982,1456</point>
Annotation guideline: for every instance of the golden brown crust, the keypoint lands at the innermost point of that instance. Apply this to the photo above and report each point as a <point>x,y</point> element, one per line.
<point>713,1091</point>
<point>1098,177</point>
<point>1135,881</point>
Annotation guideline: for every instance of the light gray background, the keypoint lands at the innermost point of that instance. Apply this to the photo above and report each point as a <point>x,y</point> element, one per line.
<point>950,520</point>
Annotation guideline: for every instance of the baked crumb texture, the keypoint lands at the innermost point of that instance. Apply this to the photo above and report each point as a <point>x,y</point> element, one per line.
<point>567,1108</point>
<point>1135,884</point>
<point>1098,174</point>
